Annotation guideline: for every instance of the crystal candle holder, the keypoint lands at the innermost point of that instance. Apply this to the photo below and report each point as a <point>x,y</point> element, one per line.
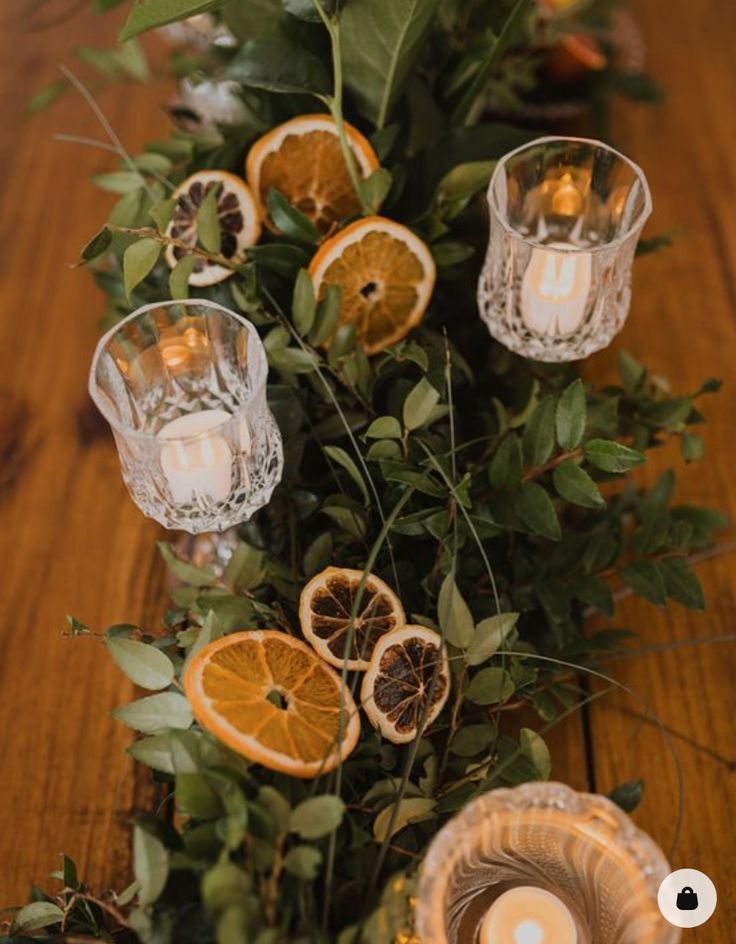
<point>580,848</point>
<point>183,386</point>
<point>565,217</point>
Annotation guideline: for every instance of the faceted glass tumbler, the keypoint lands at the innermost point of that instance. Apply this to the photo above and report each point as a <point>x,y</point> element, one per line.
<point>565,217</point>
<point>580,847</point>
<point>183,386</point>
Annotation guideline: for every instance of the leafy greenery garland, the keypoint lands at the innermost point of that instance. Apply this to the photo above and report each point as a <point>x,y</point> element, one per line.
<point>491,492</point>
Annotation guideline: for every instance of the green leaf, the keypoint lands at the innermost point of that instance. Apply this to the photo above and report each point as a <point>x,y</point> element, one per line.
<point>489,636</point>
<point>208,221</point>
<point>318,554</point>
<point>97,245</point>
<point>343,459</point>
<point>612,456</point>
<point>473,739</point>
<point>375,188</point>
<point>539,433</point>
<point>571,415</point>
<point>576,486</point>
<point>290,221</point>
<point>145,665</point>
<point>303,304</point>
<point>150,865</point>
<point>307,10</point>
<point>511,33</point>
<point>411,810</point>
<point>244,570</point>
<point>450,252</point>
<point>121,181</point>
<point>535,509</point>
<point>179,277</point>
<point>631,371</point>
<point>454,614</point>
<point>682,583</point>
<point>254,18</point>
<point>277,64</point>
<point>46,96</point>
<point>293,360</point>
<point>490,687</point>
<point>303,862</point>
<point>349,519</point>
<point>196,797</point>
<point>419,404</point>
<point>381,40</point>
<point>646,580</point>
<point>536,752</point>
<point>225,885</point>
<point>138,260</point>
<point>385,427</point>
<point>328,312</point>
<point>317,817</point>
<point>595,592</point>
<point>628,796</point>
<point>150,14</point>
<point>162,211</point>
<point>156,713</point>
<point>506,466</point>
<point>187,573</point>
<point>693,447</point>
<point>39,914</point>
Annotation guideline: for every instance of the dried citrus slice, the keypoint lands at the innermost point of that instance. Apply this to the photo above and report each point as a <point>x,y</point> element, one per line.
<point>269,697</point>
<point>303,160</point>
<point>325,608</point>
<point>386,274</point>
<point>399,679</point>
<point>240,225</point>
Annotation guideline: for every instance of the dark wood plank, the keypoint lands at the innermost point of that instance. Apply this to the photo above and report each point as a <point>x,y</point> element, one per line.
<point>71,540</point>
<point>683,323</point>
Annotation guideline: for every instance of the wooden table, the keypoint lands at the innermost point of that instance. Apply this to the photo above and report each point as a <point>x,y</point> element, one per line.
<point>72,542</point>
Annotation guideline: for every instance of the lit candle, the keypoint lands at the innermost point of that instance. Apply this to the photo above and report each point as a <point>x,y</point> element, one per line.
<point>528,915</point>
<point>195,464</point>
<point>554,290</point>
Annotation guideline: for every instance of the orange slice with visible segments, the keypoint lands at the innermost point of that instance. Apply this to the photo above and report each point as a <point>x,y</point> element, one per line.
<point>326,605</point>
<point>303,160</point>
<point>399,681</point>
<point>269,697</point>
<point>240,225</point>
<point>386,274</point>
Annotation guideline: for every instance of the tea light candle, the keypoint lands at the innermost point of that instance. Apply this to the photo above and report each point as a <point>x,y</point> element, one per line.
<point>528,915</point>
<point>196,464</point>
<point>554,290</point>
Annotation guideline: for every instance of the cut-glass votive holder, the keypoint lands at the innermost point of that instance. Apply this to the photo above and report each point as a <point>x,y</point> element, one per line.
<point>565,218</point>
<point>183,386</point>
<point>578,862</point>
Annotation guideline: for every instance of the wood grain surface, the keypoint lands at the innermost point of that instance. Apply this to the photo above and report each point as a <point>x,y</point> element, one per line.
<point>72,542</point>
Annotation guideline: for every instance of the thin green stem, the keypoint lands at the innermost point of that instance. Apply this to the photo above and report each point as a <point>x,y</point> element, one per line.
<point>332,25</point>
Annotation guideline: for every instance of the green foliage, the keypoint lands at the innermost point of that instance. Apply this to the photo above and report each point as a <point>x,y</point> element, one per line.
<point>494,495</point>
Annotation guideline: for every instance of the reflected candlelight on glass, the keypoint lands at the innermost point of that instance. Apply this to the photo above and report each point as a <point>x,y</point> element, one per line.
<point>555,289</point>
<point>196,465</point>
<point>528,915</point>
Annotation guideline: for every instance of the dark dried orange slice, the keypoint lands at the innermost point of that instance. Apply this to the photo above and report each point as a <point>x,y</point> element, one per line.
<point>400,679</point>
<point>325,609</point>
<point>238,214</point>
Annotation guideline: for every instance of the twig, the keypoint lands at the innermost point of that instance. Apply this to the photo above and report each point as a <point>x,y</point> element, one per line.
<point>105,124</point>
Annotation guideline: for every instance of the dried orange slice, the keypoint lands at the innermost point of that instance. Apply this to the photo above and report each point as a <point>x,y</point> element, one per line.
<point>269,697</point>
<point>326,605</point>
<point>399,679</point>
<point>303,160</point>
<point>240,225</point>
<point>386,274</point>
